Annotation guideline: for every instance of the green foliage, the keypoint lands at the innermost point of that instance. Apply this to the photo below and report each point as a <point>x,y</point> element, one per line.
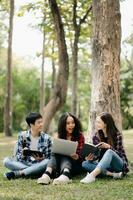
<point>25,94</point>
<point>4,5</point>
<point>84,93</point>
<point>44,22</point>
<point>127,97</point>
<point>2,84</point>
<point>26,91</point>
<point>3,25</point>
<point>129,40</point>
<point>126,76</point>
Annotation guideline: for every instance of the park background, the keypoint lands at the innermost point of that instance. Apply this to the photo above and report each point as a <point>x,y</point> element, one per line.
<point>30,53</point>
<point>29,78</point>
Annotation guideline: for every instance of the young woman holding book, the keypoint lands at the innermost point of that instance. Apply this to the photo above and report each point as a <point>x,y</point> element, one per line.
<point>69,128</point>
<point>112,160</point>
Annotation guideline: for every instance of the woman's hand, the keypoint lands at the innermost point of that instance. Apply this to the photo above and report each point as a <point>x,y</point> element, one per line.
<point>104,145</point>
<point>90,157</point>
<point>75,156</point>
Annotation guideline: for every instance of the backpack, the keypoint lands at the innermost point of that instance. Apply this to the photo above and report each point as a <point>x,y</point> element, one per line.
<point>16,144</point>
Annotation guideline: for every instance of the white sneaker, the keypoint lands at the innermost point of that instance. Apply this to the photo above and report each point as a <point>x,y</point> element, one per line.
<point>118,175</point>
<point>62,179</point>
<point>88,179</point>
<point>44,179</point>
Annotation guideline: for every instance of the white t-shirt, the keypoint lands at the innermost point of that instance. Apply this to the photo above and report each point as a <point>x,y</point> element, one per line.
<point>34,143</point>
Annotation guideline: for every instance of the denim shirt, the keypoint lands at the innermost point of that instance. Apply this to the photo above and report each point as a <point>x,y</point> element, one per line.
<point>44,146</point>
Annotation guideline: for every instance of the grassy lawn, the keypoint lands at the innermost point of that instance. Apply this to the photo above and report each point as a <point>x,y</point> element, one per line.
<point>105,189</point>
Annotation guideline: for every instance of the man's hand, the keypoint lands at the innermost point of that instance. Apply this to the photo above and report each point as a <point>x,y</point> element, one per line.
<point>23,155</point>
<point>38,158</point>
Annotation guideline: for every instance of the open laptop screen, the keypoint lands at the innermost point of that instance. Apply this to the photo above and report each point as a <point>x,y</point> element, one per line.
<point>64,147</point>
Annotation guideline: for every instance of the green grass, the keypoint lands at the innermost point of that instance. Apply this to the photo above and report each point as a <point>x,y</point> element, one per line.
<point>105,188</point>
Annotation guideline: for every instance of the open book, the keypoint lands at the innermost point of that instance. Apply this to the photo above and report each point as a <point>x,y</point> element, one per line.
<point>90,148</point>
<point>28,152</point>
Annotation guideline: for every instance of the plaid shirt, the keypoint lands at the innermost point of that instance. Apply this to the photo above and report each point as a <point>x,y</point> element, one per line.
<point>81,142</point>
<point>119,149</point>
<point>44,146</point>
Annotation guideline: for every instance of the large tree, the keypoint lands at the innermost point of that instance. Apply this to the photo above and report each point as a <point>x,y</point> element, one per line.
<point>60,90</point>
<point>105,95</point>
<point>8,97</point>
<point>76,17</point>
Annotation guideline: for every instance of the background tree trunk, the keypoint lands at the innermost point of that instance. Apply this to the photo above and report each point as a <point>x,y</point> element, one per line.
<point>53,72</point>
<point>105,94</point>
<point>42,85</point>
<point>75,59</point>
<point>77,23</point>
<point>60,90</point>
<point>8,98</point>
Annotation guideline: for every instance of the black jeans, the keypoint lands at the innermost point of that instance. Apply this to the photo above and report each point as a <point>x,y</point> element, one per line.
<point>59,162</point>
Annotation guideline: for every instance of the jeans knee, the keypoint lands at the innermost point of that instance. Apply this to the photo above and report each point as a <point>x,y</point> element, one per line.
<point>45,161</point>
<point>5,161</point>
<point>109,151</point>
<point>66,165</point>
<point>85,164</point>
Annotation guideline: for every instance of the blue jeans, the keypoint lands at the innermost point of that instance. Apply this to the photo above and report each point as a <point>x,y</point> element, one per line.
<point>110,161</point>
<point>28,169</point>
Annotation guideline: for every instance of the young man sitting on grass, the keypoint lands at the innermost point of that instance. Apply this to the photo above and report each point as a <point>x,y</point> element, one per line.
<point>33,139</point>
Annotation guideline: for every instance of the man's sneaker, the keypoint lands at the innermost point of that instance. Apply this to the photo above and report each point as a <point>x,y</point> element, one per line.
<point>45,179</point>
<point>89,178</point>
<point>62,179</point>
<point>9,175</point>
<point>118,175</point>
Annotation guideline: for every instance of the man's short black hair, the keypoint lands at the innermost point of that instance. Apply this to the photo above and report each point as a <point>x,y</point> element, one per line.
<point>32,117</point>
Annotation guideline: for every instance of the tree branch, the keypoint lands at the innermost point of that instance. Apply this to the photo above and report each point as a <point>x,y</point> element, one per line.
<point>74,14</point>
<point>86,15</point>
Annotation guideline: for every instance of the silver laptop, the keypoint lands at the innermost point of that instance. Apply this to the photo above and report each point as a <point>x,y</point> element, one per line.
<point>64,147</point>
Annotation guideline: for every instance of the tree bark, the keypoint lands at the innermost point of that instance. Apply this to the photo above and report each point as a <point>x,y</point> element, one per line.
<point>60,90</point>
<point>8,98</point>
<point>105,95</point>
<point>42,84</point>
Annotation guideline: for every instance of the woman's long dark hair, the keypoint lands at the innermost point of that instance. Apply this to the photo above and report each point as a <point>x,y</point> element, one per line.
<point>62,127</point>
<point>111,128</point>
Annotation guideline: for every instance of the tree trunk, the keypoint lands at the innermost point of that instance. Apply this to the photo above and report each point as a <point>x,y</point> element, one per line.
<point>75,60</point>
<point>75,73</point>
<point>8,98</point>
<point>60,90</point>
<point>42,85</point>
<point>53,72</point>
<point>105,95</point>
<point>77,22</point>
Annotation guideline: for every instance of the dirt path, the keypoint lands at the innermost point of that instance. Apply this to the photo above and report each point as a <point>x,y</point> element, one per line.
<point>7,141</point>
